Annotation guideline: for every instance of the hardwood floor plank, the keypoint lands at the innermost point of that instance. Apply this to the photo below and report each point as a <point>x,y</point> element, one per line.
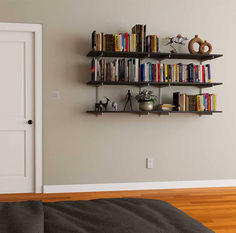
<point>214,207</point>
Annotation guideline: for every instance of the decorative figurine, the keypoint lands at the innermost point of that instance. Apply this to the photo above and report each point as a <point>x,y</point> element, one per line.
<point>100,105</point>
<point>114,106</point>
<point>128,100</point>
<point>179,39</point>
<point>201,44</point>
<point>105,104</point>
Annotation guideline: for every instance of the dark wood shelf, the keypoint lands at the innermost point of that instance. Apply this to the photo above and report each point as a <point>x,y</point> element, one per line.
<point>157,84</point>
<point>158,112</point>
<point>158,56</point>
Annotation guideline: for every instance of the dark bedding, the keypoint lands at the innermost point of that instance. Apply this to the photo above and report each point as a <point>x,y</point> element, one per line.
<point>21,217</point>
<point>97,216</point>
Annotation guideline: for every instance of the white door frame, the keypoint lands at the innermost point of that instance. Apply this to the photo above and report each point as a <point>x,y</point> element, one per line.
<point>36,29</point>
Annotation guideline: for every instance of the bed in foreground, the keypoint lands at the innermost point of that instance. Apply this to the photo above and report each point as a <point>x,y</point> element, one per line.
<point>123,215</point>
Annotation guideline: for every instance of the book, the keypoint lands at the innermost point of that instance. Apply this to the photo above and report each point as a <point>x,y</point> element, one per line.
<point>176,101</point>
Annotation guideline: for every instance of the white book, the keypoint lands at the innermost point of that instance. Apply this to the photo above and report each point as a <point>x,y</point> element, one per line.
<point>200,75</point>
<point>131,42</point>
<point>206,74</point>
<point>161,72</point>
<point>136,69</point>
<point>116,70</point>
<point>95,69</point>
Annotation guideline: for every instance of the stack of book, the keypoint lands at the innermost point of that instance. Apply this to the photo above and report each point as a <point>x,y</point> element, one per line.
<point>119,70</point>
<point>148,72</point>
<point>201,102</point>
<point>134,42</point>
<point>152,44</point>
<point>152,72</point>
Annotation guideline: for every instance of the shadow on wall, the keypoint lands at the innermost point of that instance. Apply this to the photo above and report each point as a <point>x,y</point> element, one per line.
<point>72,65</point>
<point>83,47</point>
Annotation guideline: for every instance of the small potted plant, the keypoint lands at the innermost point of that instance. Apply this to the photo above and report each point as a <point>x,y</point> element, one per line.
<point>146,100</point>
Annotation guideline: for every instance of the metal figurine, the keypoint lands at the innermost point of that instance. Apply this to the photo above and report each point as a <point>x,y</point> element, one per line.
<point>179,39</point>
<point>105,104</point>
<point>100,105</point>
<point>114,106</point>
<point>128,100</point>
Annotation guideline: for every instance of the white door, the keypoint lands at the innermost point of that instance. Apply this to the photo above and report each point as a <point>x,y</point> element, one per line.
<point>17,167</point>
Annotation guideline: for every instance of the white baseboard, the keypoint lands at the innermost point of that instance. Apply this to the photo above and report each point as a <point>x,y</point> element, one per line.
<point>138,186</point>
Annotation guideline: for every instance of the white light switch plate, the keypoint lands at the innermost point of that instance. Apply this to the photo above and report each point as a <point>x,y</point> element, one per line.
<point>56,95</point>
<point>149,163</point>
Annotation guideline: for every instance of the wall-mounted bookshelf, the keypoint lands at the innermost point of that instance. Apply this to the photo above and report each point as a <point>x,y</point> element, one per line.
<point>130,68</point>
<point>155,84</point>
<point>158,56</point>
<point>155,112</point>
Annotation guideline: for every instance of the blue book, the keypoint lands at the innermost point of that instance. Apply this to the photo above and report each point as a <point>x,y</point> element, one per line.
<point>123,41</point>
<point>209,72</point>
<point>204,101</point>
<point>143,73</point>
<point>150,72</point>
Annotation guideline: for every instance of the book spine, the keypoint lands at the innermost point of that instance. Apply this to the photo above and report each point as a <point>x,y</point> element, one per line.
<point>159,72</point>
<point>203,73</point>
<point>209,72</point>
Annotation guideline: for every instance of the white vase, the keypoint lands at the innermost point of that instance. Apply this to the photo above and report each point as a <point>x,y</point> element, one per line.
<point>146,106</point>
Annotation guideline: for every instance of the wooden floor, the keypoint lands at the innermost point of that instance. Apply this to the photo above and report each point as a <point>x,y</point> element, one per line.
<point>214,207</point>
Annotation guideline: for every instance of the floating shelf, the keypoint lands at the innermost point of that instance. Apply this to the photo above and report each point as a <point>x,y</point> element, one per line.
<point>158,56</point>
<point>157,84</point>
<point>157,112</point>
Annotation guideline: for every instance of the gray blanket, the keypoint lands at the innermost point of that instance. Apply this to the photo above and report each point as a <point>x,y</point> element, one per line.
<point>97,216</point>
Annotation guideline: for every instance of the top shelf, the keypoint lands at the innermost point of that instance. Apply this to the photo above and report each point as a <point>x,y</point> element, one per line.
<point>158,56</point>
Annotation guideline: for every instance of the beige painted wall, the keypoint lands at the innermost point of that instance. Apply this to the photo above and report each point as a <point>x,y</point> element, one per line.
<point>81,148</point>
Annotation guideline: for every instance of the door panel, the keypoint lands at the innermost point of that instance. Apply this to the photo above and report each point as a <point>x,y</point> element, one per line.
<point>16,108</point>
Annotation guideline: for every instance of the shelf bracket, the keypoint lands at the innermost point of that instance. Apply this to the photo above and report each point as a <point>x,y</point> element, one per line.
<point>97,94</point>
<point>159,95</point>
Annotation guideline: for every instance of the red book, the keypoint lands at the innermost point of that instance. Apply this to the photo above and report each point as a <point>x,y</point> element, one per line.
<point>203,73</point>
<point>159,72</point>
<point>127,42</point>
<point>208,102</point>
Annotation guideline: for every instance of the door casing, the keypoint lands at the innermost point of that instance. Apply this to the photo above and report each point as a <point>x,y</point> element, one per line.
<point>36,29</point>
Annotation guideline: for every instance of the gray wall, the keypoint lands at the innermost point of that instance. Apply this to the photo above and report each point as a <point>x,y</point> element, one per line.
<point>81,148</point>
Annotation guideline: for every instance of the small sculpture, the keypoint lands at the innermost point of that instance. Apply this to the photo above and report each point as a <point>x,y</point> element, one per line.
<point>114,106</point>
<point>201,44</point>
<point>179,39</point>
<point>105,104</point>
<point>100,105</point>
<point>128,100</point>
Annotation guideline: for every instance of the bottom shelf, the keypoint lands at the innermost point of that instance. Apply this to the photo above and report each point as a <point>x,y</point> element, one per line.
<point>157,112</point>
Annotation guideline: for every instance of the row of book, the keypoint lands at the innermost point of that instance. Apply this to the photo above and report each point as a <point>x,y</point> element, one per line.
<point>137,41</point>
<point>152,72</point>
<point>130,70</point>
<point>201,102</point>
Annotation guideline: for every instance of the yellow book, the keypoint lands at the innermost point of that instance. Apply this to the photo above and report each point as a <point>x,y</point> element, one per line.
<point>198,102</point>
<point>116,42</point>
<point>166,73</point>
<point>134,42</point>
<point>214,102</point>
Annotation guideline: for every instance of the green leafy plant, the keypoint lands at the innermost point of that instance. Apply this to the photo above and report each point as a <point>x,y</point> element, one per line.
<point>146,96</point>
